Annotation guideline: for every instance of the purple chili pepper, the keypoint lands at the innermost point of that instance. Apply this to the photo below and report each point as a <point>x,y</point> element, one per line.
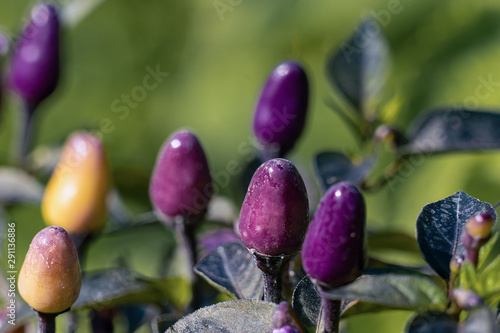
<point>281,110</point>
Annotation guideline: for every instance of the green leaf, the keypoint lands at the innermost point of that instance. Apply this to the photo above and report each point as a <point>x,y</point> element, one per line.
<point>333,167</point>
<point>394,287</point>
<point>358,69</point>
<point>480,320</point>
<point>489,252</point>
<point>447,130</point>
<point>484,279</point>
<point>240,316</point>
<point>17,186</point>
<point>439,228</point>
<point>469,279</point>
<point>231,269</point>
<point>489,281</point>
<point>431,322</point>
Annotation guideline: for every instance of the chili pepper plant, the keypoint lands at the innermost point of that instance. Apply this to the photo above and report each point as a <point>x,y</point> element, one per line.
<point>284,263</point>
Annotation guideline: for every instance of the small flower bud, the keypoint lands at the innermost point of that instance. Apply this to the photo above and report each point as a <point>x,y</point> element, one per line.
<point>75,197</point>
<point>283,319</point>
<point>456,263</point>
<point>333,253</point>
<point>34,70</point>
<point>466,299</point>
<point>282,315</point>
<point>181,184</point>
<point>480,225</point>
<point>50,277</point>
<point>385,133</point>
<point>281,110</point>
<point>275,213</point>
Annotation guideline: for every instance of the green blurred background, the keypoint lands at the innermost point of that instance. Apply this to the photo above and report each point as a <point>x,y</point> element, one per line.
<point>217,63</point>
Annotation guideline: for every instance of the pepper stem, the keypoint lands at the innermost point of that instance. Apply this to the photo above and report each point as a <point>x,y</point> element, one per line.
<point>272,287</point>
<point>28,109</point>
<point>331,314</point>
<point>272,272</point>
<point>46,322</point>
<point>472,255</point>
<point>186,232</point>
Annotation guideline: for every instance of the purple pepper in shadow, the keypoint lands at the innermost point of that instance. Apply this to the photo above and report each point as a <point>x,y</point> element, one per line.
<point>275,213</point>
<point>333,252</point>
<point>181,184</point>
<point>34,70</point>
<point>281,110</point>
<point>211,240</point>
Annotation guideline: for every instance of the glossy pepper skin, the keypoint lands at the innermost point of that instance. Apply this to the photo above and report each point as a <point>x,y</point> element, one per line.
<point>275,213</point>
<point>181,184</point>
<point>34,71</point>
<point>281,110</point>
<point>50,277</point>
<point>333,250</point>
<point>75,197</point>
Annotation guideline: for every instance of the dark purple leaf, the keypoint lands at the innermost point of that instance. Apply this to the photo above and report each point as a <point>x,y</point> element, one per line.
<point>447,130</point>
<point>231,269</point>
<point>439,228</point>
<point>395,287</point>
<point>333,167</point>
<point>358,68</point>
<point>432,322</point>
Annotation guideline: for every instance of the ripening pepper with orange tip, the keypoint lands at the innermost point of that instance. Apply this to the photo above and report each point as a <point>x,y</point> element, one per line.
<point>50,278</point>
<point>75,197</point>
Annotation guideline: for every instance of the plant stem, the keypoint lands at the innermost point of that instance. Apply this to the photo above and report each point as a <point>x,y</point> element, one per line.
<point>331,314</point>
<point>451,283</point>
<point>46,322</point>
<point>102,320</point>
<point>272,287</point>
<point>472,255</point>
<point>186,232</point>
<point>390,172</point>
<point>353,124</point>
<point>28,109</point>
<point>272,273</point>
